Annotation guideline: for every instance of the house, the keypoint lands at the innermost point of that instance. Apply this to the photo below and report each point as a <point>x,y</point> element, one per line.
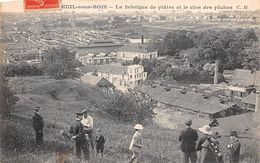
<point>99,82</point>
<point>249,101</point>
<point>97,47</point>
<point>241,84</point>
<point>123,77</point>
<point>228,74</point>
<point>189,102</point>
<point>130,51</point>
<point>96,59</point>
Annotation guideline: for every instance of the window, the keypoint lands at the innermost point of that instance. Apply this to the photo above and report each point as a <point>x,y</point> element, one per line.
<point>107,60</point>
<point>131,76</point>
<point>101,60</point>
<point>124,83</point>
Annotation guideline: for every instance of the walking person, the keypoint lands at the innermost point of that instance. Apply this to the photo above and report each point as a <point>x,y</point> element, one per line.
<point>87,122</point>
<point>38,125</point>
<point>100,142</point>
<point>188,138</point>
<point>81,143</point>
<point>136,144</point>
<point>234,148</point>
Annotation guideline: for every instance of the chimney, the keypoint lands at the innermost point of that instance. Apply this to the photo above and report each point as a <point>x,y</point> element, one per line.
<point>257,102</point>
<point>216,72</point>
<point>142,39</point>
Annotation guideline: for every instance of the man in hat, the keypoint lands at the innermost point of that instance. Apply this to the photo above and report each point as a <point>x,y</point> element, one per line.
<point>234,148</point>
<point>38,125</point>
<point>136,144</point>
<point>188,138</point>
<point>76,130</point>
<point>87,122</point>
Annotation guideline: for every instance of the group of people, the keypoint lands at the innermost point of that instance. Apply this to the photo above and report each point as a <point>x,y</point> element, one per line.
<point>207,146</point>
<point>81,130</point>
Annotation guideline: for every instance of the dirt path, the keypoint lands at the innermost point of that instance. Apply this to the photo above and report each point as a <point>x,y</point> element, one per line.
<point>169,118</point>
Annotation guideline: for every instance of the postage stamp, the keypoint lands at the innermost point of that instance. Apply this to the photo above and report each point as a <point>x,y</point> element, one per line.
<point>41,4</point>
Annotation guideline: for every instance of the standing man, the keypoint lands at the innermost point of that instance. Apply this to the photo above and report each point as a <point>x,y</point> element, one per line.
<point>87,122</point>
<point>136,144</point>
<point>234,148</point>
<point>76,130</point>
<point>38,125</point>
<point>188,138</point>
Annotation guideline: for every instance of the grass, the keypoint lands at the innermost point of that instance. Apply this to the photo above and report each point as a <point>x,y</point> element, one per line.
<point>17,136</point>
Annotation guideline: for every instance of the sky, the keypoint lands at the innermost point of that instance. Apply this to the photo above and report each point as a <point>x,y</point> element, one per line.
<point>18,6</point>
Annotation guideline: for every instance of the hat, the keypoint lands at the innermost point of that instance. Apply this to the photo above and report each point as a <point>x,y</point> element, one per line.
<point>79,113</point>
<point>206,130</point>
<point>138,126</point>
<point>233,133</point>
<point>37,108</point>
<point>84,111</point>
<point>188,122</point>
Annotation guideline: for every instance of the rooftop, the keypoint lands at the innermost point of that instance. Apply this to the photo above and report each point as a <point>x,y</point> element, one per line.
<point>136,48</point>
<point>113,69</point>
<point>189,100</point>
<point>250,99</point>
<point>242,78</point>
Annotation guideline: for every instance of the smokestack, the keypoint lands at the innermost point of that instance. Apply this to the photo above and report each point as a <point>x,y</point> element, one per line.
<point>216,72</point>
<point>257,102</point>
<point>142,39</point>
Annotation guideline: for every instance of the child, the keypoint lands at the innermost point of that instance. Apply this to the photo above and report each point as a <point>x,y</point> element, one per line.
<point>100,141</point>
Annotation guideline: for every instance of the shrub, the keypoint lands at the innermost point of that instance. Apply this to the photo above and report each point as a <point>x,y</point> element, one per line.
<point>128,107</point>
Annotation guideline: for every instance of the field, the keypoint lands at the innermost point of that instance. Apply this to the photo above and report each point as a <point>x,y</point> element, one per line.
<point>59,101</point>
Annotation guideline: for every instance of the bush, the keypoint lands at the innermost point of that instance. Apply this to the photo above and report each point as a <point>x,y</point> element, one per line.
<point>7,98</point>
<point>128,107</point>
<point>21,69</point>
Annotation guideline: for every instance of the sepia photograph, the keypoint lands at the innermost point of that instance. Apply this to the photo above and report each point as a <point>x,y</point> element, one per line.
<point>129,82</point>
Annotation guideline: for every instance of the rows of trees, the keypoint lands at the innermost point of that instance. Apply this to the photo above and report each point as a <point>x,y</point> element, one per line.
<point>234,48</point>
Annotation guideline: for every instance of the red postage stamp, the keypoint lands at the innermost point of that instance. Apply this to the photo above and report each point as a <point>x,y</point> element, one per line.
<point>41,4</point>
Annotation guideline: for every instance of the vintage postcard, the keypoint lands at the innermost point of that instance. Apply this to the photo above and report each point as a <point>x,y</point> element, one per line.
<point>124,81</point>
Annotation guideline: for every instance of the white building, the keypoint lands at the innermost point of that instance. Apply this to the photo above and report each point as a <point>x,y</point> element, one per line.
<point>123,77</point>
<point>129,51</point>
<point>96,59</point>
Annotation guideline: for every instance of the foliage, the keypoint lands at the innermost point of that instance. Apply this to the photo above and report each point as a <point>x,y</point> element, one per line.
<point>128,107</point>
<point>136,60</point>
<point>7,96</point>
<point>174,42</point>
<point>226,45</point>
<point>61,63</point>
<point>21,69</point>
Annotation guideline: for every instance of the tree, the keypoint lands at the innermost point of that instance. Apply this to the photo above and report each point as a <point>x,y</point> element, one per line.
<point>174,42</point>
<point>61,63</point>
<point>7,96</point>
<point>136,60</point>
<point>128,107</point>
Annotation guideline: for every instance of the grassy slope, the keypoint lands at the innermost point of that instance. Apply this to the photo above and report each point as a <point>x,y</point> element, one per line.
<point>61,99</point>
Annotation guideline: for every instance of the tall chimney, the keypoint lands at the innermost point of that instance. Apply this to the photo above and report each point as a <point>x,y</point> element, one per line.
<point>216,72</point>
<point>257,102</point>
<point>142,39</point>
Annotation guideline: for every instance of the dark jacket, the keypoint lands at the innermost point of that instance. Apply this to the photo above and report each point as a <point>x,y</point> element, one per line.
<point>100,141</point>
<point>37,122</point>
<point>234,151</point>
<point>208,152</point>
<point>188,138</point>
<point>76,129</point>
<point>200,142</point>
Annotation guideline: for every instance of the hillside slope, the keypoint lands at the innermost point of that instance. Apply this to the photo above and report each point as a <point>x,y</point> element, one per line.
<point>60,100</point>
